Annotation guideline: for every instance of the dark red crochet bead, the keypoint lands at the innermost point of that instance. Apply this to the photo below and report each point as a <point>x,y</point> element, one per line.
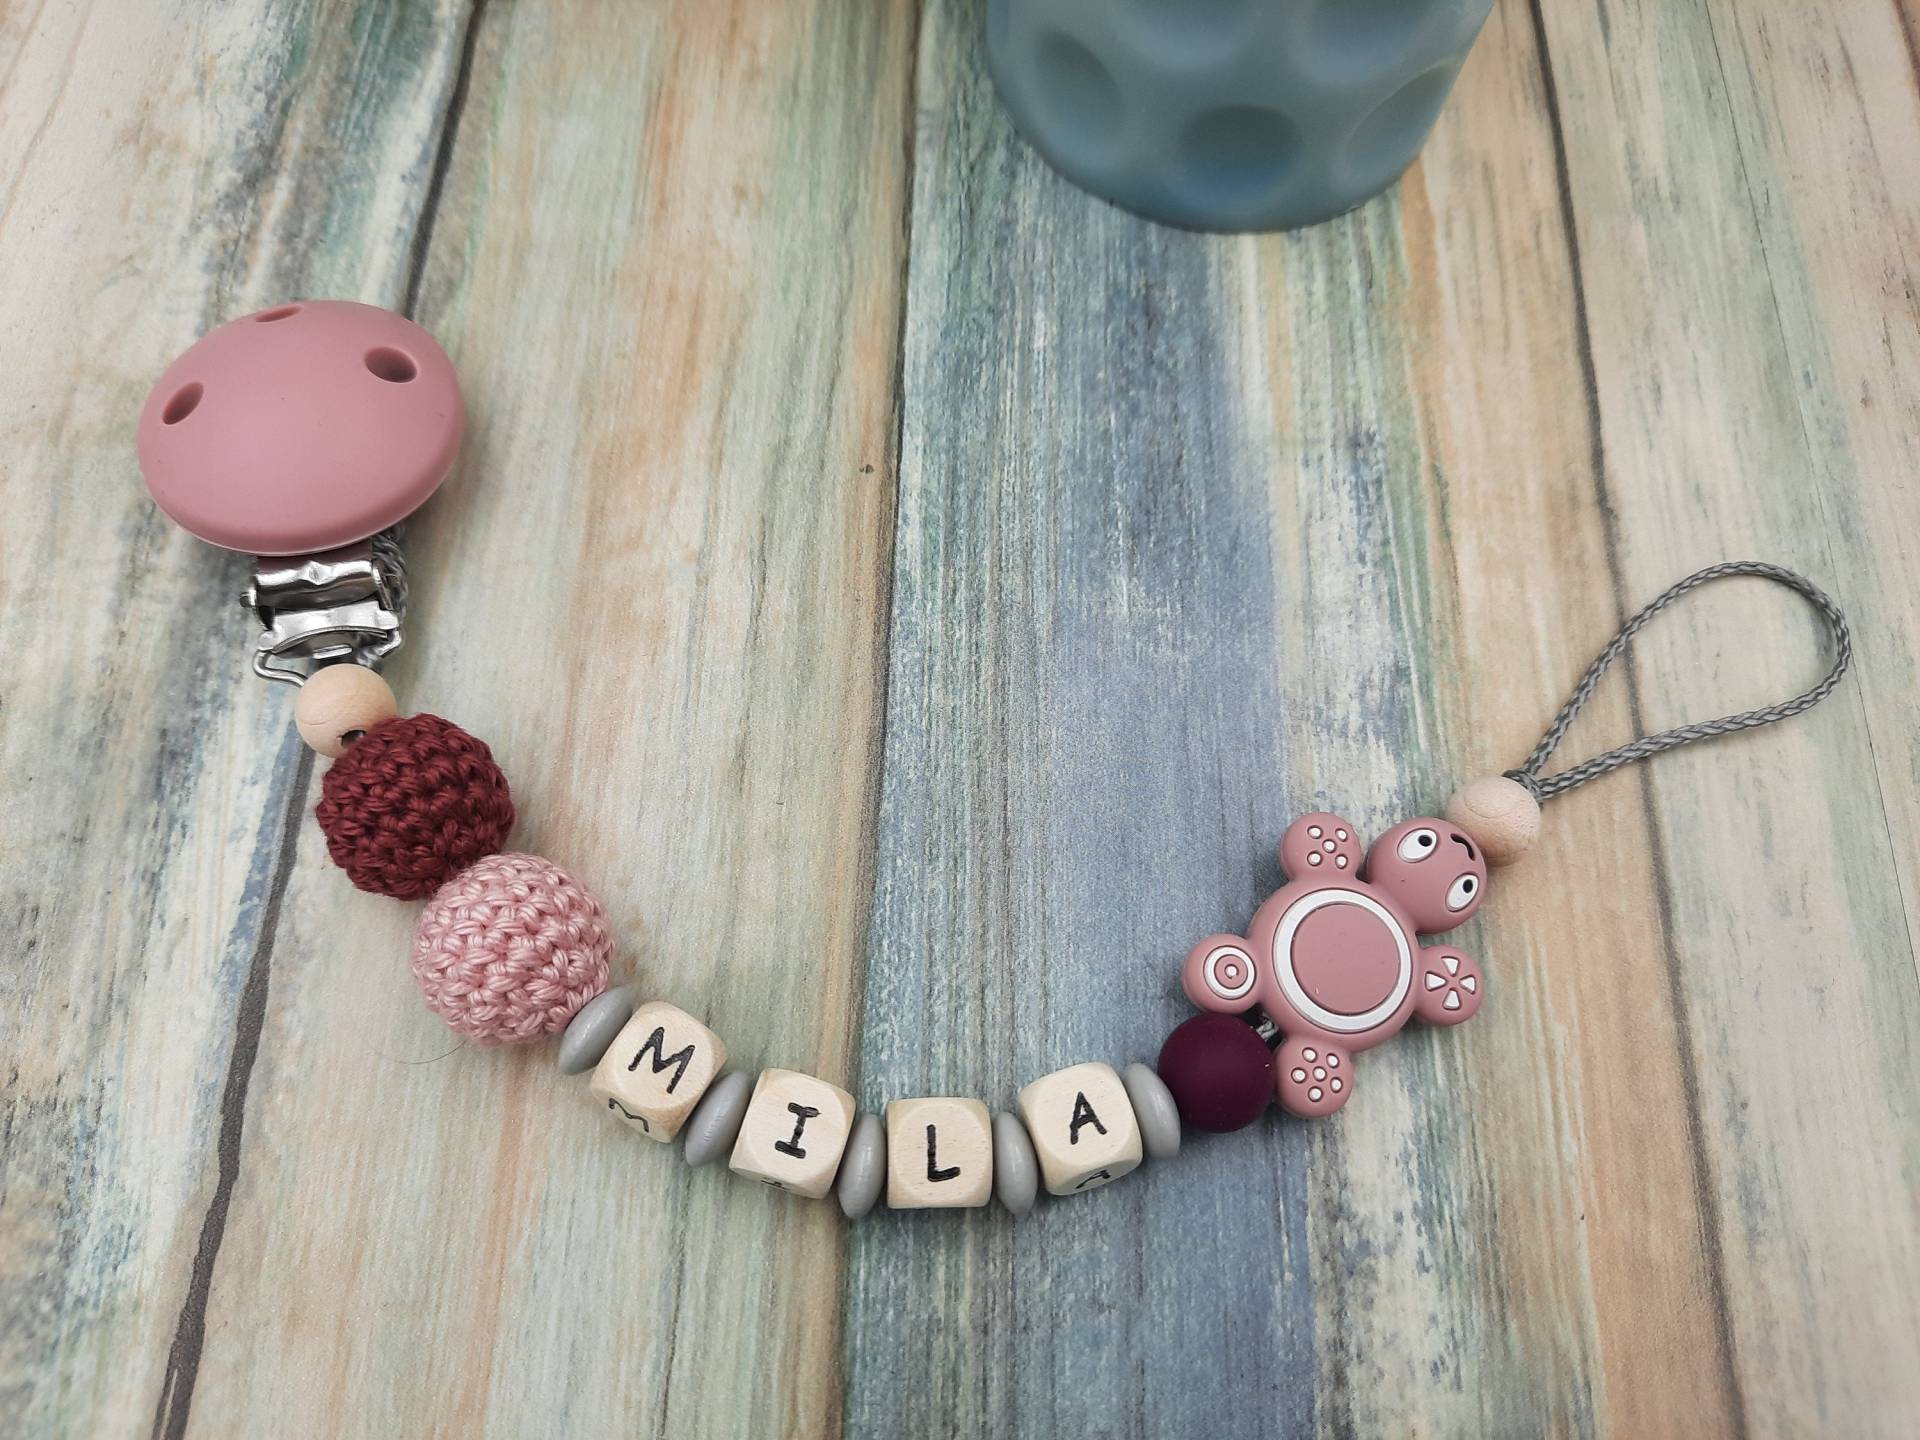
<point>1220,1072</point>
<point>413,801</point>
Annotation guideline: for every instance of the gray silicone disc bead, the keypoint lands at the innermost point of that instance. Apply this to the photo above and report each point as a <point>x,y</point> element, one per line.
<point>592,1029</point>
<point>1016,1170</point>
<point>715,1122</point>
<point>1153,1107</point>
<point>863,1168</point>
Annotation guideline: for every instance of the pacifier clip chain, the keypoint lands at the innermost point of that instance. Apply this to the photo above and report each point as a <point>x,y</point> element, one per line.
<point>304,433</point>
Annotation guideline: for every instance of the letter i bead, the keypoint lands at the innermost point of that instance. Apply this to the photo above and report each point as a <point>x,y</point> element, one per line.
<point>795,1131</point>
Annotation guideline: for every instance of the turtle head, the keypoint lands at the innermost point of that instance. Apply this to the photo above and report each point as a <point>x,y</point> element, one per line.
<point>1432,869</point>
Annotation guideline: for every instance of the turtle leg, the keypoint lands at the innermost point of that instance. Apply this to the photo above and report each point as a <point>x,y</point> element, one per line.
<point>1321,846</point>
<point>1448,990</point>
<point>1221,975</point>
<point>1312,1077</point>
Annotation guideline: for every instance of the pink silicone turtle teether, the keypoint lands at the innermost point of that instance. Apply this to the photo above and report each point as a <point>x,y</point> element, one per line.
<point>1331,957</point>
<point>301,428</point>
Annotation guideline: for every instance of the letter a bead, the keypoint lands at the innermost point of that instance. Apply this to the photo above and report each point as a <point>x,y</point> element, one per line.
<point>939,1154</point>
<point>1083,1127</point>
<point>794,1134</point>
<point>656,1070</point>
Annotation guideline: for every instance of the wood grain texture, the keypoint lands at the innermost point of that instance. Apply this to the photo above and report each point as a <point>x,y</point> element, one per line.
<point>915,597</point>
<point>1777,853</point>
<point>163,168</point>
<point>666,261</point>
<point>1096,663</point>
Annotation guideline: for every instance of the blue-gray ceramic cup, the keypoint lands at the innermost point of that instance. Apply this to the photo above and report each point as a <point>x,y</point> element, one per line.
<point>1230,114</point>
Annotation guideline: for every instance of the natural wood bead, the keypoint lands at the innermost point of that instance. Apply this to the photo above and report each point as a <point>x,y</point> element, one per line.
<point>939,1154</point>
<point>656,1070</point>
<point>1499,815</point>
<point>1083,1127</point>
<point>337,704</point>
<point>794,1134</point>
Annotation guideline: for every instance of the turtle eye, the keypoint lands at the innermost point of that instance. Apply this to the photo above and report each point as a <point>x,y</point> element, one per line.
<point>1462,892</point>
<point>1418,844</point>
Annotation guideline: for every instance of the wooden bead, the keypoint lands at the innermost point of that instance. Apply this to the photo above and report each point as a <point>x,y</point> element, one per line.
<point>939,1154</point>
<point>338,704</point>
<point>1499,815</point>
<point>1083,1128</point>
<point>794,1134</point>
<point>656,1070</point>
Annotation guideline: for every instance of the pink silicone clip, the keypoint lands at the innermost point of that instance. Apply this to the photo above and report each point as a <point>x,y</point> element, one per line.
<point>301,428</point>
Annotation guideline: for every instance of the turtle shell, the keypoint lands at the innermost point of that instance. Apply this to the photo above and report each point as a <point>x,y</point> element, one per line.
<point>1348,960</point>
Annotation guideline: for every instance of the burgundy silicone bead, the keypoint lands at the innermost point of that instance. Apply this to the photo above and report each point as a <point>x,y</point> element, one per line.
<point>1220,1072</point>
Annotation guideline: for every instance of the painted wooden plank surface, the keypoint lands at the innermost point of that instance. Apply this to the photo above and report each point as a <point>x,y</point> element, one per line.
<point>160,169</point>
<point>1775,853</point>
<point>666,261</point>
<point>916,597</point>
<point>1200,533</point>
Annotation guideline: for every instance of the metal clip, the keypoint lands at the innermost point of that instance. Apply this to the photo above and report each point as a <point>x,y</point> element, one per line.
<point>315,610</point>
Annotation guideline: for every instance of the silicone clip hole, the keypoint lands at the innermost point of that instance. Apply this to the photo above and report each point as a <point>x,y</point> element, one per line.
<point>182,404</point>
<point>279,313</point>
<point>393,365</point>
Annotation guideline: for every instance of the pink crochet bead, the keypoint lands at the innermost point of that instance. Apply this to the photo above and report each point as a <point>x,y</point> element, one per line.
<point>509,948</point>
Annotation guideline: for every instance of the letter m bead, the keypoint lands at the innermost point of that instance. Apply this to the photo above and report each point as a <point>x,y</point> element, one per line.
<point>657,1069</point>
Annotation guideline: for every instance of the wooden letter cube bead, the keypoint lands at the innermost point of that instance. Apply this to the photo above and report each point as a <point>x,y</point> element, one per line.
<point>657,1068</point>
<point>939,1154</point>
<point>1083,1127</point>
<point>794,1134</point>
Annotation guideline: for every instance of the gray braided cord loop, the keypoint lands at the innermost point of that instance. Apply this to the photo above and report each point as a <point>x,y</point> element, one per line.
<point>1529,773</point>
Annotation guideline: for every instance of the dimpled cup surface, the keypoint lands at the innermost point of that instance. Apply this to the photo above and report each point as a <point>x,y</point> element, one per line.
<point>302,427</point>
<point>1230,114</point>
